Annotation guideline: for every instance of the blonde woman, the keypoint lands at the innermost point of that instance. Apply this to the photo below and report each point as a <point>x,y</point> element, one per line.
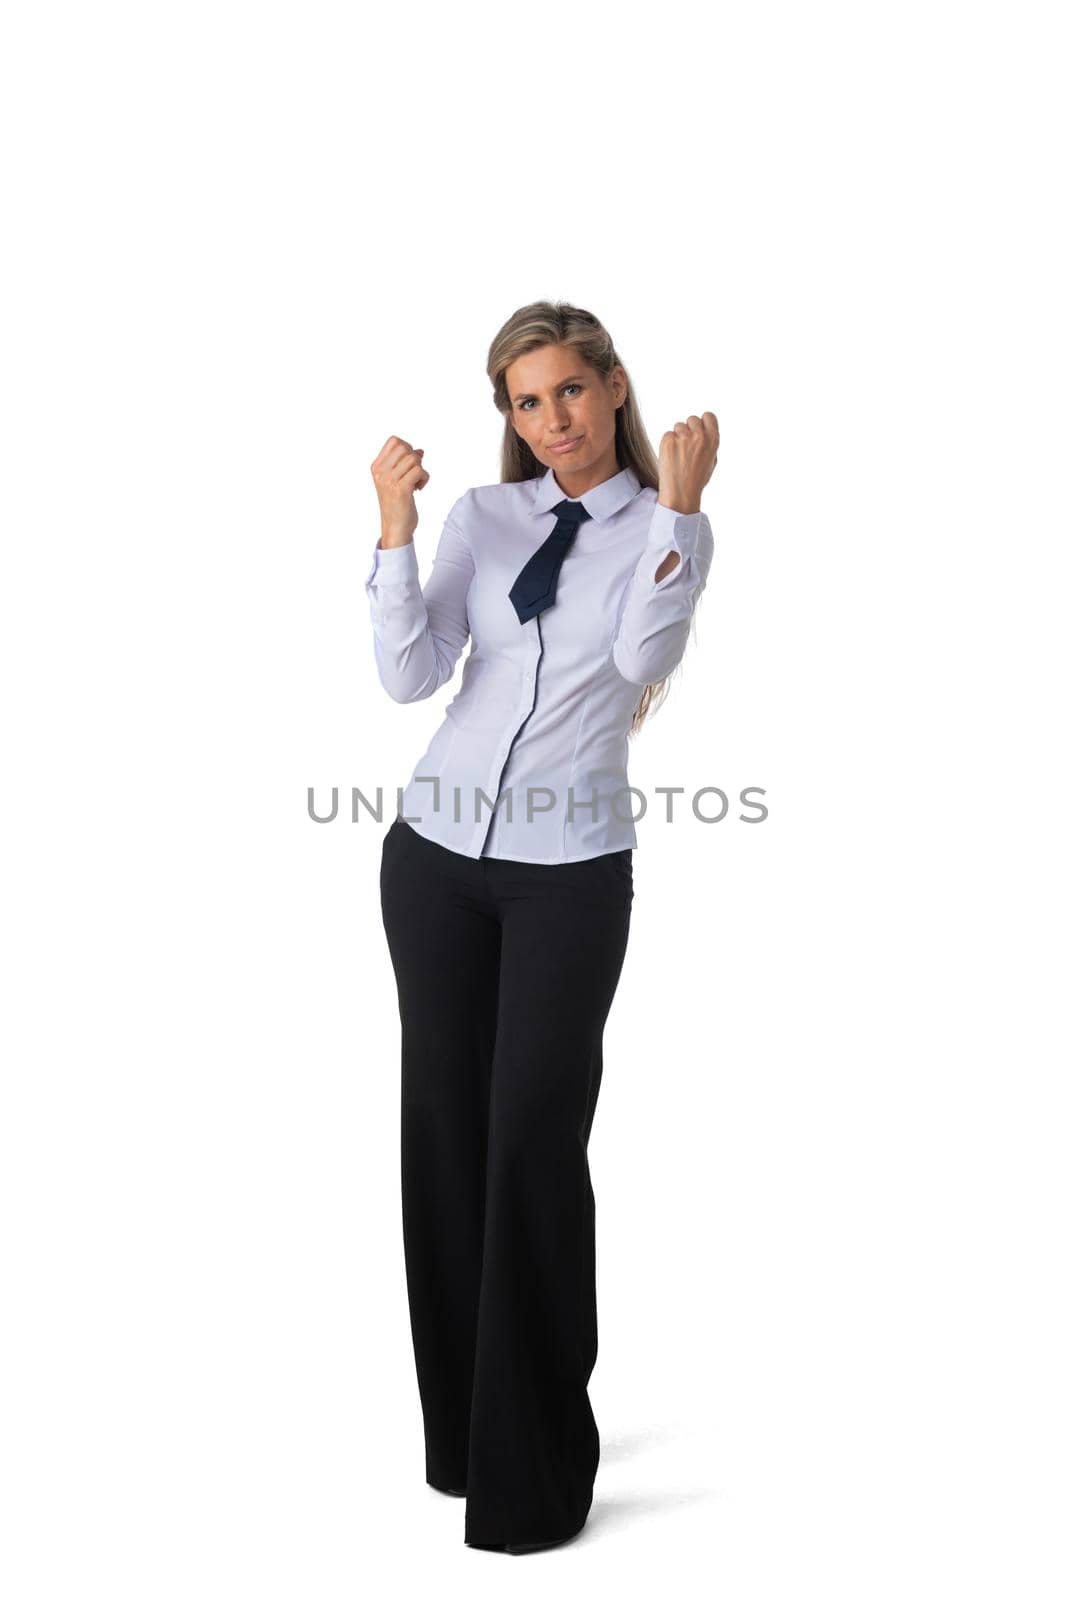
<point>506,890</point>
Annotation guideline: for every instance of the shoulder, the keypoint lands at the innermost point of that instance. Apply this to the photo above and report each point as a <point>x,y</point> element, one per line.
<point>642,506</point>
<point>488,502</point>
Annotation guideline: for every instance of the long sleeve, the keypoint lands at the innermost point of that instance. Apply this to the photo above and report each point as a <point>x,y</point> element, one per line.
<point>419,632</point>
<point>653,626</point>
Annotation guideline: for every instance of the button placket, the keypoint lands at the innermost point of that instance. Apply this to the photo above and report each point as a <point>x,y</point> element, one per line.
<point>529,678</point>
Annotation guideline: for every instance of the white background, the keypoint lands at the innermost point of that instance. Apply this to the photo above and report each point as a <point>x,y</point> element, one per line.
<point>244,245</point>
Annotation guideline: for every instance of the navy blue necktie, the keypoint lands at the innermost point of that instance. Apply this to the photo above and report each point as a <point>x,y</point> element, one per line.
<point>534,589</point>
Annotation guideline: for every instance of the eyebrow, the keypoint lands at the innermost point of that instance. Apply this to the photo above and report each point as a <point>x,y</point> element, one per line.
<point>575,377</point>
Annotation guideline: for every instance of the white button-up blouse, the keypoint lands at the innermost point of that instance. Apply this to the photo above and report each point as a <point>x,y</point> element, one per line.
<point>530,761</point>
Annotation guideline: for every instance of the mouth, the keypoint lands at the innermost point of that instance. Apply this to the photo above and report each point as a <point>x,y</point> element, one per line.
<point>564,445</point>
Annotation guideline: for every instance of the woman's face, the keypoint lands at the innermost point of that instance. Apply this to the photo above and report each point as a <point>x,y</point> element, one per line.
<point>555,397</point>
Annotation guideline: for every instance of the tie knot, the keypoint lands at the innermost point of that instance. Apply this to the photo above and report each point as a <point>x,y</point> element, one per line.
<point>571,511</point>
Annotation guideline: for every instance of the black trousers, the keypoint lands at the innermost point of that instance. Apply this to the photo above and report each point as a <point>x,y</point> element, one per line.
<point>505,973</point>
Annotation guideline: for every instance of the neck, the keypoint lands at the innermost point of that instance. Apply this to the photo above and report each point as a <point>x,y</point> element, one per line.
<point>575,484</point>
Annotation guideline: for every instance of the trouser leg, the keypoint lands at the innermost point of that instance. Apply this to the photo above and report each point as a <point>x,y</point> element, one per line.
<point>534,1443</point>
<point>444,942</point>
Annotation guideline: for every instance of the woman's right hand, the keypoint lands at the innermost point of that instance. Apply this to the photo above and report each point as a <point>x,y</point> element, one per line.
<point>397,471</point>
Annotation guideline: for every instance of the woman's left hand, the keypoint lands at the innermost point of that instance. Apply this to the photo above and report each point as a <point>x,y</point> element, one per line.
<point>687,457</point>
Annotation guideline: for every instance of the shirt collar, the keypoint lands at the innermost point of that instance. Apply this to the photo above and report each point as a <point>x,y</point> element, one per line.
<point>601,502</point>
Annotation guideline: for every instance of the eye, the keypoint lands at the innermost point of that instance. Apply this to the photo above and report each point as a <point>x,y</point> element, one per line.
<point>578,386</point>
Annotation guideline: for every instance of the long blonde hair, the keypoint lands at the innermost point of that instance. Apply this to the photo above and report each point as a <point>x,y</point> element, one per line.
<point>547,322</point>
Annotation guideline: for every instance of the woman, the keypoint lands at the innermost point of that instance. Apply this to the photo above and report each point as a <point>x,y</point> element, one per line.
<point>506,905</point>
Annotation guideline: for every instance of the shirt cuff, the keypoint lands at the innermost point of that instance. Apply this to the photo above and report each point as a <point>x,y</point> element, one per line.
<point>686,532</point>
<point>669,530</point>
<point>398,564</point>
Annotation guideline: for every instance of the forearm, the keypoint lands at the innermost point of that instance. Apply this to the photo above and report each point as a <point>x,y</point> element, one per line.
<point>418,634</point>
<point>654,624</point>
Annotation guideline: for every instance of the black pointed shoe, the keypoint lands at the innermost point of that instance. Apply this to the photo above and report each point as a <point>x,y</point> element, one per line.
<point>540,1544</point>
